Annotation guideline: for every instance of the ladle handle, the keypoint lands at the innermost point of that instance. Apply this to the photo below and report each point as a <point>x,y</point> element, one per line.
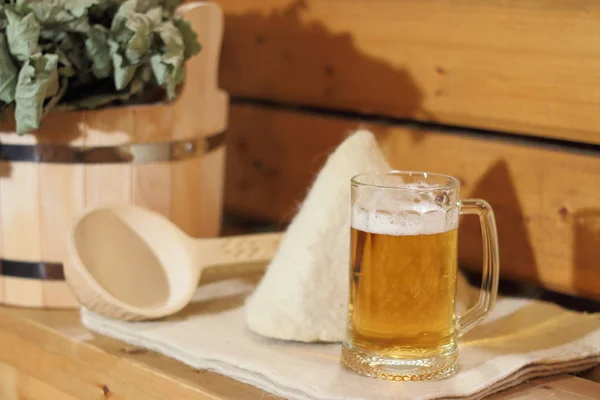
<point>246,248</point>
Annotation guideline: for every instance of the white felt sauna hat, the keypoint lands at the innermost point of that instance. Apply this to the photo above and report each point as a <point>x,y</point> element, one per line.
<point>303,295</point>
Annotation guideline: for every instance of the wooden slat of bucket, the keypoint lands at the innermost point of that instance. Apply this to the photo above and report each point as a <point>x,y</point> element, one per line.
<point>152,187</point>
<point>62,198</point>
<point>24,292</point>
<point>20,194</point>
<point>109,183</point>
<point>198,106</point>
<point>210,212</point>
<point>201,110</point>
<point>186,196</point>
<point>153,123</point>
<point>4,170</point>
<point>21,224</point>
<point>152,181</point>
<point>57,294</point>
<point>197,183</point>
<point>61,187</point>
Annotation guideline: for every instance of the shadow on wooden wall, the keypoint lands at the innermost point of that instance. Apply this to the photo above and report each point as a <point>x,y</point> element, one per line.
<point>497,187</point>
<point>323,57</point>
<point>586,247</point>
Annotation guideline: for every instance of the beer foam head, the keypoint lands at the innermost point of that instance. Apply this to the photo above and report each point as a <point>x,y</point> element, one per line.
<point>404,208</point>
<point>414,220</point>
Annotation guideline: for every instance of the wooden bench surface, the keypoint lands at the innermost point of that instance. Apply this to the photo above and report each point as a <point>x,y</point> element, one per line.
<point>48,354</point>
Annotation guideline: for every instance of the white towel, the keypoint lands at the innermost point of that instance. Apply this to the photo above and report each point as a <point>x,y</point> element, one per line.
<point>522,339</point>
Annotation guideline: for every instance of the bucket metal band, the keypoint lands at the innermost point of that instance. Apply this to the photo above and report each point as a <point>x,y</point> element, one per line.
<point>126,153</point>
<point>31,269</point>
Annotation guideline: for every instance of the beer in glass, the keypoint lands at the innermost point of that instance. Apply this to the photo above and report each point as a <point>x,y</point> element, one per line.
<point>403,272</point>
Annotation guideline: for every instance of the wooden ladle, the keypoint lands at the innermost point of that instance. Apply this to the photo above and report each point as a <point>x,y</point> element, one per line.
<point>130,263</point>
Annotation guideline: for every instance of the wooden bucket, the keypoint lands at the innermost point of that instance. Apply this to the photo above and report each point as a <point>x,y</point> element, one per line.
<point>166,157</point>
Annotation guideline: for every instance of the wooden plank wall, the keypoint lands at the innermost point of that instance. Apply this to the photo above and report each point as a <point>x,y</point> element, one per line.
<point>530,66</point>
<point>526,75</point>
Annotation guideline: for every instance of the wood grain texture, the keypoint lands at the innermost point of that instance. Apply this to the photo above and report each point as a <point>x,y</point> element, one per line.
<point>212,171</point>
<point>153,123</point>
<point>62,199</point>
<point>20,211</point>
<point>530,67</point>
<point>20,194</point>
<point>186,195</point>
<point>109,183</point>
<point>201,110</point>
<point>593,375</point>
<point>64,127</point>
<point>16,385</point>
<point>24,292</point>
<point>546,200</point>
<point>152,187</point>
<point>58,294</point>
<point>62,186</point>
<point>2,283</point>
<point>52,346</point>
<point>562,387</point>
<point>51,349</point>
<point>201,105</point>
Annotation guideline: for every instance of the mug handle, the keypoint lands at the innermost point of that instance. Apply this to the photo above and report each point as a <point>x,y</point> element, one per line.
<point>491,265</point>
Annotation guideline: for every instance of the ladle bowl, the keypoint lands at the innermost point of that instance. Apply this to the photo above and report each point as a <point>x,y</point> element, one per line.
<point>129,263</point>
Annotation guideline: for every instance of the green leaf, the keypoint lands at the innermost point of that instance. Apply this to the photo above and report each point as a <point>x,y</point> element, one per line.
<point>8,73</point>
<point>123,73</point>
<point>67,46</point>
<point>3,21</point>
<point>22,34</point>
<point>190,38</point>
<point>167,6</point>
<point>155,15</point>
<point>78,8</point>
<point>139,43</point>
<point>65,67</point>
<point>54,100</point>
<point>174,48</point>
<point>133,30</point>
<point>37,80</point>
<point>67,14</point>
<point>178,75</point>
<point>89,53</point>
<point>118,28</point>
<point>162,74</point>
<point>49,65</point>
<point>98,51</point>
<point>167,66</point>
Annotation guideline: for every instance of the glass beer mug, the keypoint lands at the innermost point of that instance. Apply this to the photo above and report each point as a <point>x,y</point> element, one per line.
<point>402,323</point>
